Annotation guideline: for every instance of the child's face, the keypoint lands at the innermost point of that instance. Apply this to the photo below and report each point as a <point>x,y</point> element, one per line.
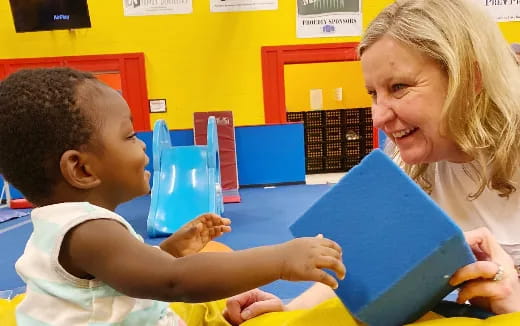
<point>121,160</point>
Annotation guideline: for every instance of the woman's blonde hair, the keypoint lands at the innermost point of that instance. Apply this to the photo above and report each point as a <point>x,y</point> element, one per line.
<point>481,112</point>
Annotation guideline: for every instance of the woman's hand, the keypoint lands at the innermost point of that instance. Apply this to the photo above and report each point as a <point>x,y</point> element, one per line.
<point>492,282</point>
<point>250,304</point>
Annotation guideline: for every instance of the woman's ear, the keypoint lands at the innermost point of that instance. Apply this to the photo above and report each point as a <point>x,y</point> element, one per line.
<point>76,170</point>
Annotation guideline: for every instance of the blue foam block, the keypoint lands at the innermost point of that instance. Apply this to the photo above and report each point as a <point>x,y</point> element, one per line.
<point>399,247</point>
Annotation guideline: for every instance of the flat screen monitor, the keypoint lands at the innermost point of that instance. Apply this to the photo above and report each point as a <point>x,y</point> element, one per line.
<point>45,15</point>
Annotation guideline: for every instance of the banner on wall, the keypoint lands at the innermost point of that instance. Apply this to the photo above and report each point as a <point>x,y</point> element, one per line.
<point>328,18</point>
<point>502,10</point>
<point>243,5</point>
<point>157,7</point>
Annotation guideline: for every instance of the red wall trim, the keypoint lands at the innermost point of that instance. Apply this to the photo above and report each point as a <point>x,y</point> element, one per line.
<point>275,57</point>
<point>130,66</point>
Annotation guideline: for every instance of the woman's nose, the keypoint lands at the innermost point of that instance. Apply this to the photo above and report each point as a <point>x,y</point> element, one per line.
<point>381,114</point>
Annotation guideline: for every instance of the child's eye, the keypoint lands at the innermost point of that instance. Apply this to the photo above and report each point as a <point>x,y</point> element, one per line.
<point>132,136</point>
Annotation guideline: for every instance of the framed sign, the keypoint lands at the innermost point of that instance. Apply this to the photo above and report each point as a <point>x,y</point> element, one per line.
<point>157,105</point>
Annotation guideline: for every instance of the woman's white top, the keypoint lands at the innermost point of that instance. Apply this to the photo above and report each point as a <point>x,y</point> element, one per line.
<point>452,183</point>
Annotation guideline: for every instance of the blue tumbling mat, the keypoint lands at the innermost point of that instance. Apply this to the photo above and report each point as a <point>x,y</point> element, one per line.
<point>7,213</point>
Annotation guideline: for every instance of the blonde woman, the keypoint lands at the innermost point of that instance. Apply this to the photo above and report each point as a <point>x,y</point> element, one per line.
<point>441,79</point>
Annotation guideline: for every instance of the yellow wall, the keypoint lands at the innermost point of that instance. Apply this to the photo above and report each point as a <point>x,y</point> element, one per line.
<point>300,78</point>
<point>198,62</point>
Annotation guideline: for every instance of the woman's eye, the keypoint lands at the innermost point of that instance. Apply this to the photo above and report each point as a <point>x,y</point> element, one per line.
<point>398,87</point>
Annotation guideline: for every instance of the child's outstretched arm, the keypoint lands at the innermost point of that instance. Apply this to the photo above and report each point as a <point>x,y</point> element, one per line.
<point>194,235</point>
<point>104,249</point>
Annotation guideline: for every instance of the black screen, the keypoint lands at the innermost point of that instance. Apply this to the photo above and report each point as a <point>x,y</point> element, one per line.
<point>45,15</point>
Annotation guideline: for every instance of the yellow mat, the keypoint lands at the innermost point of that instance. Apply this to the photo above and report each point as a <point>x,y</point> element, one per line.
<point>329,313</point>
<point>7,310</point>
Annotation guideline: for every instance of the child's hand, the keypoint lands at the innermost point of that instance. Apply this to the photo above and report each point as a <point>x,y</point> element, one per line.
<point>194,235</point>
<point>303,259</point>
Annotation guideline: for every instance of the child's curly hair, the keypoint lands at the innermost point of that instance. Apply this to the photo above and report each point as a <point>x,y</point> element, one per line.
<point>40,118</point>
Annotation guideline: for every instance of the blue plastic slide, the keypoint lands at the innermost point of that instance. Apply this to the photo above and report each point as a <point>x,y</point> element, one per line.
<point>186,181</point>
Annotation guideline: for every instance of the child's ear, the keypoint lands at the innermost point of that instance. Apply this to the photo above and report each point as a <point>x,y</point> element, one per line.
<point>76,170</point>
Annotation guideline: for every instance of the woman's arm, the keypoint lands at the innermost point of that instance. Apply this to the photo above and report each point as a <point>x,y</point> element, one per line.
<point>315,295</point>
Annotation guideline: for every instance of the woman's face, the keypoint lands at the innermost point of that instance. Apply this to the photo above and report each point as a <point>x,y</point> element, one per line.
<point>408,91</point>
